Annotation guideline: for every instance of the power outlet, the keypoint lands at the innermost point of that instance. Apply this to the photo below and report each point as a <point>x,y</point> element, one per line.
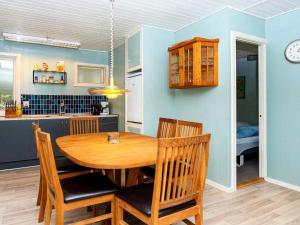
<point>25,104</point>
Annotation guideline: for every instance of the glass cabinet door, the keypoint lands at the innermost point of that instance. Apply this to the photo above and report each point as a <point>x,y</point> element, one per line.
<point>188,64</point>
<point>210,64</point>
<point>174,67</point>
<point>203,64</point>
<point>207,64</point>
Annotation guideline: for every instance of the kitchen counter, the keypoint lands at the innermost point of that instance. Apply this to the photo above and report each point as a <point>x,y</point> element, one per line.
<point>17,140</point>
<point>55,116</point>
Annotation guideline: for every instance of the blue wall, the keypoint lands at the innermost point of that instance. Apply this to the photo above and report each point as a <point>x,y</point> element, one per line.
<point>32,54</point>
<point>211,106</point>
<point>283,85</point>
<point>158,98</point>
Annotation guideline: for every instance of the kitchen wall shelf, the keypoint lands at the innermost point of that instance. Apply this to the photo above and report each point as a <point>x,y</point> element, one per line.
<point>49,77</point>
<point>194,63</point>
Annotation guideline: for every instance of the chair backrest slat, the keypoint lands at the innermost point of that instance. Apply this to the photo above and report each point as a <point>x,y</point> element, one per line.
<point>84,125</point>
<point>166,128</point>
<point>188,129</point>
<point>180,171</point>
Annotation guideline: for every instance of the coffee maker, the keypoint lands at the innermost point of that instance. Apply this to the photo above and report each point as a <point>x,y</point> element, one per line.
<point>96,109</point>
<point>104,108</point>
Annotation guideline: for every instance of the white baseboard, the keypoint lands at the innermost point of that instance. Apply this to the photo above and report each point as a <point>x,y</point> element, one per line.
<point>283,184</point>
<point>219,186</point>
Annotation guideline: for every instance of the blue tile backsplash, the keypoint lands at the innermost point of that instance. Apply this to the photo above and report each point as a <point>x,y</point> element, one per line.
<point>49,104</point>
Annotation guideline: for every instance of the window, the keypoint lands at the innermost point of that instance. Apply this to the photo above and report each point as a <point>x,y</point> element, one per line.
<point>91,75</point>
<point>9,80</point>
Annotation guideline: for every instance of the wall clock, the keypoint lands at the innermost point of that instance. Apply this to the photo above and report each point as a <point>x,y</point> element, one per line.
<point>292,52</point>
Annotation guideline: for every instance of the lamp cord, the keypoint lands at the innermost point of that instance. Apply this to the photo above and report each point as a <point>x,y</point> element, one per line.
<point>111,77</point>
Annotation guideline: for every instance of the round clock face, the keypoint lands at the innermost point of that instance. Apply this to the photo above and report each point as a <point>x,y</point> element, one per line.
<point>292,52</point>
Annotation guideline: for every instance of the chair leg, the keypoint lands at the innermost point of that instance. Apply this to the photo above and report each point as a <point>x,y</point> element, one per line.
<point>48,211</point>
<point>43,201</point>
<point>199,219</point>
<point>119,213</point>
<point>38,201</point>
<point>187,222</point>
<point>113,209</point>
<point>59,216</point>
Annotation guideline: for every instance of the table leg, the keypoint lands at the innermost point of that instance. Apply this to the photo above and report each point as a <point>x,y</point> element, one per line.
<point>132,177</point>
<point>118,177</point>
<point>110,174</point>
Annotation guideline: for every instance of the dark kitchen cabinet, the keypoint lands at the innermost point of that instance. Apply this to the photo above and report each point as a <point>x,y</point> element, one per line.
<point>16,141</point>
<point>108,124</point>
<point>56,128</point>
<point>17,145</point>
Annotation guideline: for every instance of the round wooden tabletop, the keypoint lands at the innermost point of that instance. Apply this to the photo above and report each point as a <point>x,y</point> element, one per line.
<point>94,151</point>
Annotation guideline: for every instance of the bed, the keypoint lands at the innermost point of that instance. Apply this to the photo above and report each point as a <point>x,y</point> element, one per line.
<point>247,138</point>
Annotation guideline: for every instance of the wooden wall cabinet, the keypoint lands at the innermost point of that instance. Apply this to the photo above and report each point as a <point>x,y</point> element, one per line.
<point>194,63</point>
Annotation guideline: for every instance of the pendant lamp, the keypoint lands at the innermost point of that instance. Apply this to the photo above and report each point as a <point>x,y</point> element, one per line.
<point>111,91</point>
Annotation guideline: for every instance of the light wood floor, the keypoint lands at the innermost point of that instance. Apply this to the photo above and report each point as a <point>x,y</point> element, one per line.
<point>262,204</point>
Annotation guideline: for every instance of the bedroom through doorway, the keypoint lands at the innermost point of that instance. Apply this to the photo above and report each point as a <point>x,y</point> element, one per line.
<point>247,113</point>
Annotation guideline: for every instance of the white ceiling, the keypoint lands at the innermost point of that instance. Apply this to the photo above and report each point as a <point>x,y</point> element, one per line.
<point>87,21</point>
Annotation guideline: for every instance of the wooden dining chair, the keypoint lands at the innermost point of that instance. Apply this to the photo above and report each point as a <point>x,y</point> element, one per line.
<point>166,128</point>
<point>188,129</point>
<point>73,192</point>
<point>177,192</point>
<point>84,125</point>
<point>169,128</point>
<point>65,169</point>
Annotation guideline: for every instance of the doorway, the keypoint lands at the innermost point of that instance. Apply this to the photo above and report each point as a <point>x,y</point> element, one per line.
<point>248,107</point>
<point>247,113</point>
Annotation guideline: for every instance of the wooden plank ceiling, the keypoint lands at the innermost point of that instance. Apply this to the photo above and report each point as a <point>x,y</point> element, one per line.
<point>87,21</point>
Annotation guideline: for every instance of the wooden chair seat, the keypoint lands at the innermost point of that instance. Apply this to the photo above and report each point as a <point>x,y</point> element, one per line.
<point>140,197</point>
<point>86,186</point>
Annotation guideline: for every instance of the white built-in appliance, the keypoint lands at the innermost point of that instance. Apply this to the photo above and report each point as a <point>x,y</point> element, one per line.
<point>134,98</point>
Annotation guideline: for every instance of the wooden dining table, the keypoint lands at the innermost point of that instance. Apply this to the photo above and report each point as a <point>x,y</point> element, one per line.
<point>93,150</point>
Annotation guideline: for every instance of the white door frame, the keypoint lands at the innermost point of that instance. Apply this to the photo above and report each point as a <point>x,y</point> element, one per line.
<point>261,42</point>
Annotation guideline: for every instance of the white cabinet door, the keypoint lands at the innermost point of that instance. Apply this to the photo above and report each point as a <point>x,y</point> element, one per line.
<point>134,99</point>
<point>134,54</point>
